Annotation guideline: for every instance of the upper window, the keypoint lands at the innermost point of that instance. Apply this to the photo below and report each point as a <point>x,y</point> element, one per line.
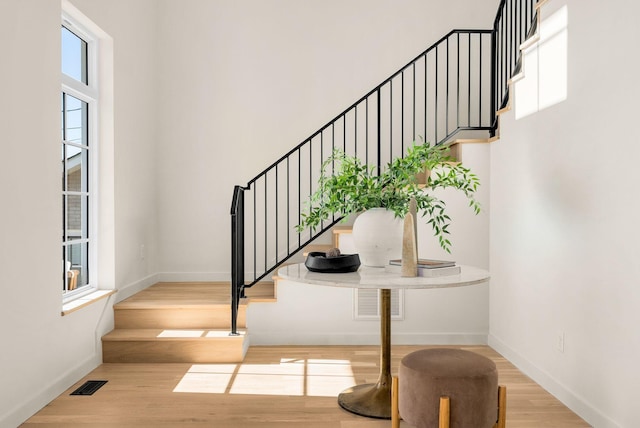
<point>74,56</point>
<point>78,104</point>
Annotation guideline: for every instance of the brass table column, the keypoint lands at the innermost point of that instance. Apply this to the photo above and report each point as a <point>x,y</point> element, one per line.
<point>374,400</point>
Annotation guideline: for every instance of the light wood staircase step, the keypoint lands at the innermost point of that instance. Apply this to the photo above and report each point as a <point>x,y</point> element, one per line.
<point>180,316</point>
<point>181,323</point>
<point>173,346</point>
<point>276,277</point>
<point>323,248</point>
<point>187,305</point>
<point>338,231</point>
<point>262,292</point>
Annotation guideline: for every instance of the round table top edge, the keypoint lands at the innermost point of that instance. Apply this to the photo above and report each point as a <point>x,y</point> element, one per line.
<point>378,278</point>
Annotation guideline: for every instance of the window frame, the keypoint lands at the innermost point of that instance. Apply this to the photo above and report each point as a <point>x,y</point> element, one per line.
<point>88,93</point>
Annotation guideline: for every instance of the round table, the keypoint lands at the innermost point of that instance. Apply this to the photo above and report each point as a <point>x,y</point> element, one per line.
<point>374,400</point>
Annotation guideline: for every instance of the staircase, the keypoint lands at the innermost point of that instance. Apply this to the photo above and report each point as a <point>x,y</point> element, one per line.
<point>188,322</point>
<point>181,323</point>
<point>452,93</point>
<point>441,96</point>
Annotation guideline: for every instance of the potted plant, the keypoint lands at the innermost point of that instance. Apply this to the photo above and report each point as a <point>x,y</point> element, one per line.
<point>347,186</point>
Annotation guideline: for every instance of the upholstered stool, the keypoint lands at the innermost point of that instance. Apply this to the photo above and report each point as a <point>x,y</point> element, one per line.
<point>448,387</point>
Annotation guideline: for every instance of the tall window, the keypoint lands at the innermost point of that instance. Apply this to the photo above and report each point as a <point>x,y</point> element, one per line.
<point>78,104</point>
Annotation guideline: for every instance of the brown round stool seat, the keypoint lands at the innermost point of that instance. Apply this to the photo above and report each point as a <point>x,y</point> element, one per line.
<point>468,379</point>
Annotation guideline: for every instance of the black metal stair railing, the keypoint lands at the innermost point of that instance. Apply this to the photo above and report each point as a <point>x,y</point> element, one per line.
<point>455,85</point>
<point>513,24</point>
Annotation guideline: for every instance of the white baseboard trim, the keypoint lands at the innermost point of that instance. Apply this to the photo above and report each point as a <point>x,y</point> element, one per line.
<point>193,276</point>
<point>570,399</point>
<point>129,290</point>
<point>332,338</point>
<point>41,398</point>
<point>206,276</point>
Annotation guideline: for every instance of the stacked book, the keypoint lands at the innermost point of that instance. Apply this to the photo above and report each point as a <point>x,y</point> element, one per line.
<point>427,267</point>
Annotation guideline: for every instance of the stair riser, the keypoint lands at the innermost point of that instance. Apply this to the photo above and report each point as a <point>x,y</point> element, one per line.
<point>175,318</point>
<point>180,351</point>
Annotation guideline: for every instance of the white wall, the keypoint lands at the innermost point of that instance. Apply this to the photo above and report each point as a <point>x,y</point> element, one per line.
<point>564,226</point>
<point>44,353</point>
<point>241,83</point>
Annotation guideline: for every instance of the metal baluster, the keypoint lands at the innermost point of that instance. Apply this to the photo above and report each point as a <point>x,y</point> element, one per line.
<point>401,115</point>
<point>469,80</point>
<point>288,210</point>
<point>379,136</point>
<point>366,130</point>
<point>299,193</point>
<point>266,217</point>
<point>355,130</point>
<point>446,96</point>
<point>276,214</point>
<point>426,104</point>
<point>413,124</point>
<point>458,82</point>
<point>435,112</point>
<point>391,119</point>
<point>482,87</point>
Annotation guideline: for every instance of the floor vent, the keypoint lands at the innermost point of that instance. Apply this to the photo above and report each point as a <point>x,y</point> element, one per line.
<point>89,387</point>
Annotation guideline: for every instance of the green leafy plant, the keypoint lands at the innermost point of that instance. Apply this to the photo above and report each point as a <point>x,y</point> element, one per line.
<point>347,185</point>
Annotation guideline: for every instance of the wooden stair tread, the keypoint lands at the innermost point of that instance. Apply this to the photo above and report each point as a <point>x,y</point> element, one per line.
<point>180,322</point>
<point>474,140</point>
<point>342,229</point>
<point>186,304</point>
<point>504,109</point>
<point>179,293</point>
<point>261,292</point>
<point>158,334</point>
<point>171,346</point>
<point>323,248</point>
<point>201,295</point>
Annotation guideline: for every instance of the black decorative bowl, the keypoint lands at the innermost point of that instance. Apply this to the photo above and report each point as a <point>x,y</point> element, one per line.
<point>319,262</point>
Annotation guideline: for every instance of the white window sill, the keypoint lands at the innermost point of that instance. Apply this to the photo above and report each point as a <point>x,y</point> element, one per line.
<point>85,300</point>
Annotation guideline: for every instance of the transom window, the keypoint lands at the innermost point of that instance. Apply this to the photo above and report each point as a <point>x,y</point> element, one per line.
<point>78,102</point>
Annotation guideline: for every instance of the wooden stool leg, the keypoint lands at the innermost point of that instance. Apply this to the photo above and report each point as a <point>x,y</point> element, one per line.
<point>502,407</point>
<point>444,412</point>
<point>395,414</point>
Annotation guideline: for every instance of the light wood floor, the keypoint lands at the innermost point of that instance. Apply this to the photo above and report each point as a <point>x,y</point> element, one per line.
<point>274,387</point>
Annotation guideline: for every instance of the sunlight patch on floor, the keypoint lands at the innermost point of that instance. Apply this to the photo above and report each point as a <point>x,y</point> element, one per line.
<point>298,377</point>
<point>181,333</point>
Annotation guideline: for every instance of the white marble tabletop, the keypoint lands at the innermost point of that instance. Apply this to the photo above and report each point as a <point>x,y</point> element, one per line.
<point>367,277</point>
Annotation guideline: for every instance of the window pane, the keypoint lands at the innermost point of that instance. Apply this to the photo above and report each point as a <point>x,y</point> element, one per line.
<point>76,267</point>
<point>74,56</point>
<point>74,166</point>
<point>76,217</point>
<point>75,120</point>
<point>62,115</point>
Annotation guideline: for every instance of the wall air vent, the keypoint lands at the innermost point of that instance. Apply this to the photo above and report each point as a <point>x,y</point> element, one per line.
<point>366,304</point>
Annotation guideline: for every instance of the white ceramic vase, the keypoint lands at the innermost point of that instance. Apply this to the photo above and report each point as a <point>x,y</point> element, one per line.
<point>377,236</point>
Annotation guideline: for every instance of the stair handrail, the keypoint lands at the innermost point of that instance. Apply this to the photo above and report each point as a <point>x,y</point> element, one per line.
<point>368,94</point>
<point>237,254</point>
